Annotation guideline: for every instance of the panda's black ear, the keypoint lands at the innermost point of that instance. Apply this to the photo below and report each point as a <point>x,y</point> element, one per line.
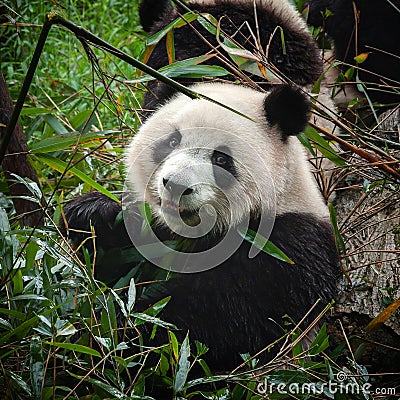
<point>288,109</point>
<point>152,11</point>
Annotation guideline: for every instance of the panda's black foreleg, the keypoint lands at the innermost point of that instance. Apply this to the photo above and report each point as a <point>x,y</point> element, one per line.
<point>97,213</point>
<point>94,211</point>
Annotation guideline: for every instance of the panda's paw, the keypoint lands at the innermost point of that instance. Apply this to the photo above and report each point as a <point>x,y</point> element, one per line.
<point>93,212</point>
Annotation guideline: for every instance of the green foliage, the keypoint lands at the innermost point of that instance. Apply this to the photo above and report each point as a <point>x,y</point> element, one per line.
<point>64,334</point>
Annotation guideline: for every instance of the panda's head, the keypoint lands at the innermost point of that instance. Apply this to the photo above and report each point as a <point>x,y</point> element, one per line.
<point>194,160</point>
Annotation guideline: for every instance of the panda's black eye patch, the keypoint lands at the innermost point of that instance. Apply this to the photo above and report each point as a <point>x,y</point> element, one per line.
<point>222,161</point>
<point>164,147</point>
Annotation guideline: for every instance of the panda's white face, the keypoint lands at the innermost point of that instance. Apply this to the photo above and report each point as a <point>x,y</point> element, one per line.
<point>199,178</point>
<point>194,161</point>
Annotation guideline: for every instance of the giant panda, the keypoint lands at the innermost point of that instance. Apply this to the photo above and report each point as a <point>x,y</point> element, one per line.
<point>231,158</point>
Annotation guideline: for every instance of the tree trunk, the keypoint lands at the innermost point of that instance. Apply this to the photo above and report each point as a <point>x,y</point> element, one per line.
<point>369,222</point>
<point>16,162</point>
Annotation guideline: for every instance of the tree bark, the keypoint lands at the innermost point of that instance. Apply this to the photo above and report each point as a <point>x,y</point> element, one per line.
<point>369,222</point>
<point>16,162</point>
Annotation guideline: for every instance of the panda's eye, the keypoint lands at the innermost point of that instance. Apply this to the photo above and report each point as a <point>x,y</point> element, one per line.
<point>220,160</point>
<point>174,142</point>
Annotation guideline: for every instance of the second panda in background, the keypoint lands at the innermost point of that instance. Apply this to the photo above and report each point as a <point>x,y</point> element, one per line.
<point>367,28</point>
<point>193,154</point>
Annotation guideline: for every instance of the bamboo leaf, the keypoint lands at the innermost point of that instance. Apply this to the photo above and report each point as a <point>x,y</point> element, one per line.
<point>360,58</point>
<point>183,366</point>
<point>57,143</point>
<point>55,124</point>
<point>177,23</point>
<point>258,241</point>
<point>187,69</point>
<point>36,366</point>
<point>61,166</point>
<point>75,347</point>
<point>339,239</point>
<point>383,316</point>
<point>323,146</point>
<point>174,345</point>
<point>20,382</point>
<point>131,295</point>
<point>141,318</point>
<point>169,43</point>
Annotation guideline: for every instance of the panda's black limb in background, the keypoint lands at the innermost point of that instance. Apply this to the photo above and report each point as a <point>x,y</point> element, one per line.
<point>376,33</point>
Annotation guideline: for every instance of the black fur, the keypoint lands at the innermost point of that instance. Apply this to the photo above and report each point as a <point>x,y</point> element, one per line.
<point>152,11</point>
<point>164,147</point>
<point>223,180</point>
<point>301,63</point>
<point>232,307</point>
<point>287,108</point>
<point>378,27</point>
<point>97,210</point>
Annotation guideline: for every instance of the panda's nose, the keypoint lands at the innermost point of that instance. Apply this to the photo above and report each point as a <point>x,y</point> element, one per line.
<point>176,189</point>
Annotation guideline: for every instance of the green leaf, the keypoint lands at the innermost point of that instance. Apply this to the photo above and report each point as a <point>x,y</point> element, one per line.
<point>188,68</point>
<point>117,394</point>
<point>298,348</point>
<point>360,58</point>
<point>18,282</point>
<point>183,366</point>
<point>55,124</point>
<point>61,166</point>
<point>82,119</point>
<point>306,143</point>
<point>30,254</point>
<point>19,382</point>
<point>34,111</point>
<point>36,366</point>
<point>320,342</point>
<point>57,143</point>
<point>13,313</point>
<point>36,297</point>
<point>323,146</point>
<point>258,241</point>
<point>131,295</point>
<point>156,308</point>
<point>339,239</point>
<point>141,318</point>
<point>174,345</point>
<point>5,324</point>
<point>177,23</point>
<point>208,22</point>
<point>78,348</point>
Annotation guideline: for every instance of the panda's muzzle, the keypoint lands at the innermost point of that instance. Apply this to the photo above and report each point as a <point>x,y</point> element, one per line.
<point>176,190</point>
<point>173,202</point>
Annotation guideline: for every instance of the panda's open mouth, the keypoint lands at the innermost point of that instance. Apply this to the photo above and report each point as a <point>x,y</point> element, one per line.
<point>172,208</point>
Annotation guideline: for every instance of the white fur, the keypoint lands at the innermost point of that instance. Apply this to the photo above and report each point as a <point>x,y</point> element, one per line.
<point>257,148</point>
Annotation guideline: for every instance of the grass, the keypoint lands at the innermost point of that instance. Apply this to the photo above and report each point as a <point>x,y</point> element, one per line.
<point>64,334</point>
